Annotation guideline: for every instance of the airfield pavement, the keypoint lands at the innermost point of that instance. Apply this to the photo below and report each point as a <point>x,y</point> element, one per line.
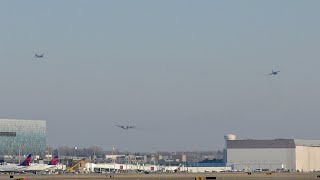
<point>221,176</point>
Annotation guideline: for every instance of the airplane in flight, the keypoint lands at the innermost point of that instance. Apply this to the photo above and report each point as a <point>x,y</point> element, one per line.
<point>126,127</point>
<point>16,168</point>
<point>274,72</point>
<point>38,55</point>
<point>43,167</point>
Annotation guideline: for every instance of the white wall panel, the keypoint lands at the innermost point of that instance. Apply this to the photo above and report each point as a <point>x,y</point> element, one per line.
<point>307,158</point>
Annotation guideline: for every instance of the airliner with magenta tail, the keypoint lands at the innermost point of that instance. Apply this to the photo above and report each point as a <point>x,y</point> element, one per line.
<point>44,167</point>
<point>16,168</point>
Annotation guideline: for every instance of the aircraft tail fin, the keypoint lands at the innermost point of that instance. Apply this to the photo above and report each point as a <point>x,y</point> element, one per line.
<point>178,168</point>
<point>26,162</point>
<point>54,160</point>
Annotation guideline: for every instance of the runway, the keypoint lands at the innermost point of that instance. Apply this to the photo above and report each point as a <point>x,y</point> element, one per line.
<point>221,176</point>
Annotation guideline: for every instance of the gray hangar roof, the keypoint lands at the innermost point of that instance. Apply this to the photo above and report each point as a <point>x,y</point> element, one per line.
<point>302,142</point>
<point>250,143</point>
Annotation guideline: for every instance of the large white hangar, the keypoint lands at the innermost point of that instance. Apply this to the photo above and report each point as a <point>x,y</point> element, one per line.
<point>290,154</point>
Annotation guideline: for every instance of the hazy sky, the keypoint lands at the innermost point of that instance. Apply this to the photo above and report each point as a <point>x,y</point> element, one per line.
<point>184,72</point>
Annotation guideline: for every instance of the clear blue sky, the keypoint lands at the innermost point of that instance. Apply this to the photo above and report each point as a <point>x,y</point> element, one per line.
<point>184,72</point>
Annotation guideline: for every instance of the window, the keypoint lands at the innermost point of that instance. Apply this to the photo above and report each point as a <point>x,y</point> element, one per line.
<point>10,134</point>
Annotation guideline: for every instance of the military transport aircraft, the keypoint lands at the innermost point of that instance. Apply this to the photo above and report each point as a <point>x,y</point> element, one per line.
<point>38,56</point>
<point>126,127</point>
<point>274,72</point>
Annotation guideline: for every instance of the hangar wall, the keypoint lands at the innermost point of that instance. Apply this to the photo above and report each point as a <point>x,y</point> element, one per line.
<point>307,158</point>
<point>291,154</point>
<point>265,158</point>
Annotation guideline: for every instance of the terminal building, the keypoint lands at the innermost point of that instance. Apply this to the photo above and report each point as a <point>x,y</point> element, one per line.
<point>284,154</point>
<point>22,137</point>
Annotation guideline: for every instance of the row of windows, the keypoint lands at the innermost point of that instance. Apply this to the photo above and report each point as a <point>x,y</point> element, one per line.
<point>10,134</point>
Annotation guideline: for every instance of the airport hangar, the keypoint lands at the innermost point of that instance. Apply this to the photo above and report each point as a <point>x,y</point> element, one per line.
<point>289,154</point>
<point>22,137</point>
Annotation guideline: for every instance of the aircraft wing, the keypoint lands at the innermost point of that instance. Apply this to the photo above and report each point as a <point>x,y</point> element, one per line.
<point>11,168</point>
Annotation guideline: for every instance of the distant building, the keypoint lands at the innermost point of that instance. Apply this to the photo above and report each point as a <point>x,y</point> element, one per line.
<point>26,136</point>
<point>289,154</point>
<point>179,158</point>
<point>114,157</point>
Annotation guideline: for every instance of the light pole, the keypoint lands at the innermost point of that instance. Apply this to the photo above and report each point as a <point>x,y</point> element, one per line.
<point>114,159</point>
<point>75,152</point>
<point>20,146</point>
<point>126,160</point>
<point>198,162</point>
<point>48,152</point>
<point>94,154</point>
